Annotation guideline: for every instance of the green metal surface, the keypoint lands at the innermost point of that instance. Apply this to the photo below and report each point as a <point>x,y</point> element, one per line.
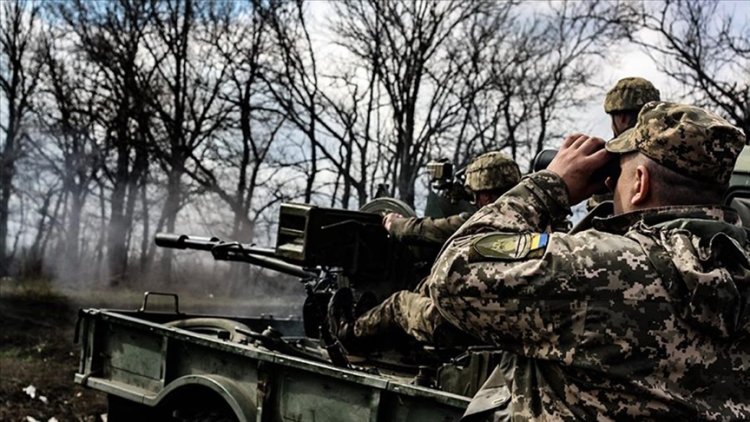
<point>146,362</point>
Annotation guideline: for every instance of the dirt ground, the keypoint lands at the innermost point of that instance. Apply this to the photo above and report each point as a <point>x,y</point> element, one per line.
<point>37,353</point>
<point>37,350</point>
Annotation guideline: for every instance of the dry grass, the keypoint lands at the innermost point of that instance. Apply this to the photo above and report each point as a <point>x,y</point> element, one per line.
<point>37,320</point>
<point>36,349</point>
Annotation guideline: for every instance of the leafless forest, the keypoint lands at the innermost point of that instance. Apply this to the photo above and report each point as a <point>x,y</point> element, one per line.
<point>123,118</point>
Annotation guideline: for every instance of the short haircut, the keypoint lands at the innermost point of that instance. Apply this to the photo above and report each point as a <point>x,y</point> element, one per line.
<point>673,188</point>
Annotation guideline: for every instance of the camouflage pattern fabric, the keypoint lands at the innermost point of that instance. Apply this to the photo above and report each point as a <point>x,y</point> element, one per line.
<point>597,199</point>
<point>427,230</point>
<point>630,94</point>
<point>413,312</point>
<point>492,171</point>
<point>646,316</point>
<point>410,313</point>
<point>684,138</point>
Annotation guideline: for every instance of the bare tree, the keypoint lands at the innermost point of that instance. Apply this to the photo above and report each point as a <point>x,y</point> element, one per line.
<point>241,149</point>
<point>540,64</point>
<point>110,36</point>
<point>18,79</point>
<point>190,75</point>
<point>702,46</point>
<point>458,77</point>
<point>406,42</point>
<point>65,143</point>
<point>334,109</point>
<point>484,52</point>
<point>574,37</point>
<point>295,82</point>
<point>39,204</point>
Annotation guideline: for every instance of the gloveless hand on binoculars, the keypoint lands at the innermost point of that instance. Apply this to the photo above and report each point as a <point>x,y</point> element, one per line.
<point>578,159</point>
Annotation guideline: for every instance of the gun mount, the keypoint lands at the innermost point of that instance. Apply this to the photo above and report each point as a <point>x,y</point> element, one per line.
<point>327,249</point>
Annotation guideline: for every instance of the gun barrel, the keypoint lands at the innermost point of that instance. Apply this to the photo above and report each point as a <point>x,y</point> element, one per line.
<point>232,251</point>
<point>183,241</point>
<point>278,265</point>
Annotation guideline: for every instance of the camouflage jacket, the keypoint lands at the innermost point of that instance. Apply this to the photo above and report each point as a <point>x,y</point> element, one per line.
<point>427,230</point>
<point>646,316</point>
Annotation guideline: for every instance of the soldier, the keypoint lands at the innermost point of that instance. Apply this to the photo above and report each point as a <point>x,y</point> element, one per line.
<point>646,316</point>
<point>622,103</point>
<point>487,177</point>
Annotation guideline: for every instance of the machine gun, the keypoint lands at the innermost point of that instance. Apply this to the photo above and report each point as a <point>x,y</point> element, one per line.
<point>327,249</point>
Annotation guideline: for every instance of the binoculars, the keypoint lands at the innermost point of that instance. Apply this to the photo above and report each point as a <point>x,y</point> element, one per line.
<point>611,169</point>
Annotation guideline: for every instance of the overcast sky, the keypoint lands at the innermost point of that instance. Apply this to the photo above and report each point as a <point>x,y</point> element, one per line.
<point>626,61</point>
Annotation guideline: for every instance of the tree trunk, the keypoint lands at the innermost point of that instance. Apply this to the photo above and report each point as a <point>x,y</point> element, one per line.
<point>117,258</point>
<point>171,208</point>
<point>7,171</point>
<point>145,240</point>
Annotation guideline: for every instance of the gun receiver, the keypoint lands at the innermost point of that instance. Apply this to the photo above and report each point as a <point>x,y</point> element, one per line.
<point>354,241</point>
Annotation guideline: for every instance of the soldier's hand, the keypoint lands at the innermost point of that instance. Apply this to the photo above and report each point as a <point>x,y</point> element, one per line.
<point>578,159</point>
<point>389,218</point>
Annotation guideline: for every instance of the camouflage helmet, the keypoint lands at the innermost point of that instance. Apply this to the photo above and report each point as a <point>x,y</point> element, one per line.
<point>630,94</point>
<point>491,171</point>
<point>687,139</point>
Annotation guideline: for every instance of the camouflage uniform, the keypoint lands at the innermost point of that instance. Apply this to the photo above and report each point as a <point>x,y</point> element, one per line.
<point>427,230</point>
<point>628,94</point>
<point>411,312</point>
<point>396,314</point>
<point>491,171</point>
<point>646,316</point>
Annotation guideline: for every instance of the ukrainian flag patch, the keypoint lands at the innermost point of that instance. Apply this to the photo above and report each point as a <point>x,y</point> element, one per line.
<point>539,241</point>
<point>508,246</point>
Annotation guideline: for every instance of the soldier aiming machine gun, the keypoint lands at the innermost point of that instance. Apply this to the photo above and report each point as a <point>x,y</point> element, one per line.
<point>327,249</point>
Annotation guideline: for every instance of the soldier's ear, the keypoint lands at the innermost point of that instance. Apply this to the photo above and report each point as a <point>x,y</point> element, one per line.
<point>641,186</point>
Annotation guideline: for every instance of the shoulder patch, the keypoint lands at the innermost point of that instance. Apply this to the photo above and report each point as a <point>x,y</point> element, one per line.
<point>509,246</point>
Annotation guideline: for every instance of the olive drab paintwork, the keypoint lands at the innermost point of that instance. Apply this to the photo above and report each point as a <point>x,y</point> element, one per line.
<point>642,316</point>
<point>149,368</point>
<point>630,94</point>
<point>639,318</point>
